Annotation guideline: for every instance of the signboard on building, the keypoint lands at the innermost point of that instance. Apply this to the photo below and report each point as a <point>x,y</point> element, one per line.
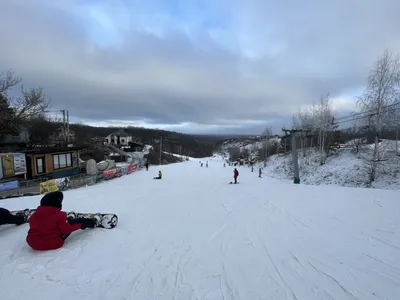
<point>8,164</point>
<point>19,163</point>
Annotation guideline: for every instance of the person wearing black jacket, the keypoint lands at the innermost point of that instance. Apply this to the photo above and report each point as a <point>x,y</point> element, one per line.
<point>6,217</point>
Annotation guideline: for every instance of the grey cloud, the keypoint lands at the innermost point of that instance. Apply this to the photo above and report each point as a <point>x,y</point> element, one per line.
<point>325,48</point>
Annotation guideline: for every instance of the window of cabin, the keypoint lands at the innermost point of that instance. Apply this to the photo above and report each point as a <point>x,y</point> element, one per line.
<point>61,161</point>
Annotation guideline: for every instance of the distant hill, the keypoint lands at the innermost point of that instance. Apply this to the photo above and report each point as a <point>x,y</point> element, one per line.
<point>173,142</point>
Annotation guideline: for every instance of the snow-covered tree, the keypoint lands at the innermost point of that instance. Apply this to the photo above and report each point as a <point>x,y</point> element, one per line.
<point>379,100</point>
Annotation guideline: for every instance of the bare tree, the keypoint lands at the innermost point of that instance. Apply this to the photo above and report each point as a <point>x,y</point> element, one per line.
<point>7,81</point>
<point>315,121</point>
<point>17,111</point>
<point>234,153</point>
<point>39,130</point>
<point>324,124</point>
<point>245,153</point>
<point>267,131</point>
<point>7,117</point>
<point>377,102</point>
<point>33,103</point>
<point>265,153</point>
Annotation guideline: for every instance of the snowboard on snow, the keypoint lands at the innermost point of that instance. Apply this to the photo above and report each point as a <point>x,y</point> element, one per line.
<point>233,182</point>
<point>27,213</point>
<point>104,220</point>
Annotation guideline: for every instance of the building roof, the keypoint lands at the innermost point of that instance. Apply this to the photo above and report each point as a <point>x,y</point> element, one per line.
<point>121,133</point>
<point>52,150</point>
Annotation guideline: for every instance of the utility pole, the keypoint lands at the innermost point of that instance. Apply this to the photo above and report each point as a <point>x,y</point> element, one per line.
<point>64,126</point>
<point>67,128</point>
<point>292,133</point>
<point>160,149</point>
<point>397,138</point>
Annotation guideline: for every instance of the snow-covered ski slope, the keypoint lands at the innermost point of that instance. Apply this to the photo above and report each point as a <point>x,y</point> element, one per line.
<point>192,235</point>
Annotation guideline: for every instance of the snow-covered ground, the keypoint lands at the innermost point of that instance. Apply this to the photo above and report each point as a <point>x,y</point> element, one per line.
<point>192,235</point>
<point>343,168</point>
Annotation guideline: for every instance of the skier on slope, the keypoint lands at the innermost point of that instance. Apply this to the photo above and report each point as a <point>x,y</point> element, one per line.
<point>235,175</point>
<point>6,217</point>
<point>49,226</point>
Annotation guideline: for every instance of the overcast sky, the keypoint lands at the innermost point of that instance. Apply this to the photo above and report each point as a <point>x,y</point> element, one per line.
<point>195,66</point>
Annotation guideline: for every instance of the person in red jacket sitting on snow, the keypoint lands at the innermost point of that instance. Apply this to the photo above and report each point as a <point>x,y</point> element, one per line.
<point>49,226</point>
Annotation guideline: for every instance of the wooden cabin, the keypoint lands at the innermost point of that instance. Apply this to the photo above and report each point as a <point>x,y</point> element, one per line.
<point>52,162</point>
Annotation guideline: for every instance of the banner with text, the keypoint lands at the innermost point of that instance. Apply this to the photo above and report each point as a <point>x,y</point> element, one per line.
<point>8,186</point>
<point>48,186</point>
<point>111,173</point>
<point>132,168</point>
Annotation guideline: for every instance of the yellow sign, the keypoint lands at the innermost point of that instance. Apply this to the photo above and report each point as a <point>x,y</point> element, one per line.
<point>48,186</point>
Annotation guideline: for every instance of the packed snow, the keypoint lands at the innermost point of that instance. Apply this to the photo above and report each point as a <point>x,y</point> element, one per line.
<point>192,235</point>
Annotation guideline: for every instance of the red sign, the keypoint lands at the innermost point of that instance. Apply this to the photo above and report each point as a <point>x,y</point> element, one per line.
<point>109,173</point>
<point>132,168</point>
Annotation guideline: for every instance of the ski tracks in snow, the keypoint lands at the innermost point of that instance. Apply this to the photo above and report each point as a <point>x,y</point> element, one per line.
<point>160,275</point>
<point>228,292</point>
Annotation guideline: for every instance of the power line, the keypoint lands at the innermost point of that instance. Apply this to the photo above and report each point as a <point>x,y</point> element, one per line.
<point>368,113</point>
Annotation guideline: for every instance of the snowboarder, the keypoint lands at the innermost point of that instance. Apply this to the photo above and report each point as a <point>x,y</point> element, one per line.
<point>6,217</point>
<point>147,166</point>
<point>252,169</point>
<point>259,172</point>
<point>159,175</point>
<point>235,175</point>
<point>224,165</point>
<point>206,164</point>
<point>49,226</point>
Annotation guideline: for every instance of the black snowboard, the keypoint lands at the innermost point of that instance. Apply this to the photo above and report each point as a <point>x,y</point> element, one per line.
<point>105,220</point>
<point>233,182</point>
